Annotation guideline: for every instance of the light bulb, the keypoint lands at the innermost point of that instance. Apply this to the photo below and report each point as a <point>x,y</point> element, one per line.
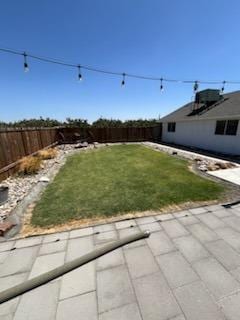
<point>26,67</point>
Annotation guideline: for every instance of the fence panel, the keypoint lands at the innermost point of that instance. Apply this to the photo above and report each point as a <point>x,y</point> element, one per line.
<point>17,143</point>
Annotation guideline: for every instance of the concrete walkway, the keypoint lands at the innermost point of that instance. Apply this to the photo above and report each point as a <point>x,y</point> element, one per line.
<point>188,269</point>
<point>230,175</point>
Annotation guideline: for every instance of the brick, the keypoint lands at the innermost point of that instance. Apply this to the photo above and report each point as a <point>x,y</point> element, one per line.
<point>196,303</point>
<point>164,217</point>
<point>79,281</point>
<point>211,221</point>
<point>155,299</point>
<point>46,263</point>
<point>125,224</point>
<point>105,237</point>
<point>152,227</point>
<point>176,269</point>
<point>160,243</point>
<point>80,307</point>
<point>145,220</point>
<point>233,222</point>
<point>130,231</point>
<point>181,317</point>
<point>78,247</point>
<point>220,282</point>
<point>188,220</point>
<point>28,242</point>
<point>110,260</point>
<point>81,232</point>
<point>55,237</point>
<point>224,253</point>
<point>53,247</point>
<point>82,279</point>
<point>215,207</point>
<point>180,214</point>
<point>104,228</point>
<point>3,256</point>
<point>18,261</point>
<point>114,288</point>
<point>236,273</point>
<point>222,213</point>
<point>38,304</point>
<point>202,232</point>
<point>7,317</point>
<point>6,226</point>
<point>231,307</point>
<point>191,248</point>
<point>129,311</point>
<point>174,229</point>
<point>231,236</point>
<point>140,261</point>
<point>5,246</point>
<point>8,282</point>
<point>198,210</point>
<point>234,210</point>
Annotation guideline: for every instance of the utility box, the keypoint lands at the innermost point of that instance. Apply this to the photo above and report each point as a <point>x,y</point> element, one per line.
<point>208,96</point>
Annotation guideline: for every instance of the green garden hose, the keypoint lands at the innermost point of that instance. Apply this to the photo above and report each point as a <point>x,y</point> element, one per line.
<point>28,285</point>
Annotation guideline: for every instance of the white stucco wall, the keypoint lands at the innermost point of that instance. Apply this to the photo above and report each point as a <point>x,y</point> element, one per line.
<point>201,134</point>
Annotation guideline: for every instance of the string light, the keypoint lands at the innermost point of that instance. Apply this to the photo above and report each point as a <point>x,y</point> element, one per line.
<point>223,86</point>
<point>195,87</point>
<point>123,80</point>
<point>79,73</point>
<point>26,68</point>
<point>161,85</point>
<point>93,69</point>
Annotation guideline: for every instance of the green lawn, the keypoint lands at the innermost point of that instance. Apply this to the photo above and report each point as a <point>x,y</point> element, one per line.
<point>119,179</point>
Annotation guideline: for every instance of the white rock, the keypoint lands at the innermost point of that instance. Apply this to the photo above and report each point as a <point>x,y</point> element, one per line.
<point>44,179</point>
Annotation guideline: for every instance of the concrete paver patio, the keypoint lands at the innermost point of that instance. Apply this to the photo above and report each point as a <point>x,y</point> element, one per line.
<point>230,175</point>
<point>188,269</point>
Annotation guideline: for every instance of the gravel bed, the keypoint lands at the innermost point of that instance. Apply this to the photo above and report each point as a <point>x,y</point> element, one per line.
<point>204,163</point>
<point>20,186</point>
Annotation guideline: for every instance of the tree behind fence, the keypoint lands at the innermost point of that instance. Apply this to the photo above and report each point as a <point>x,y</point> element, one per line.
<point>17,143</point>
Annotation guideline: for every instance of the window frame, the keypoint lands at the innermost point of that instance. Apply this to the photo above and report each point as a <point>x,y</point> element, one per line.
<point>220,127</point>
<point>232,127</point>
<point>171,126</point>
<point>226,127</point>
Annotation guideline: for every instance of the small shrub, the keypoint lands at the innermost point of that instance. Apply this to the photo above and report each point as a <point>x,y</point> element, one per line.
<point>47,153</point>
<point>30,165</point>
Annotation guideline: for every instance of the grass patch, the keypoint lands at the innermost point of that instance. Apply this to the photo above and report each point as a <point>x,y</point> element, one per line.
<point>119,179</point>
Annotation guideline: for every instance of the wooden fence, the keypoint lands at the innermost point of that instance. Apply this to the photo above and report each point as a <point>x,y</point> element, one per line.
<point>17,143</point>
<point>125,134</point>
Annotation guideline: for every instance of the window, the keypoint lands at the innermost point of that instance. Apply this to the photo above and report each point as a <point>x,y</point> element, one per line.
<point>232,126</point>
<point>227,127</point>
<point>171,126</point>
<point>220,127</point>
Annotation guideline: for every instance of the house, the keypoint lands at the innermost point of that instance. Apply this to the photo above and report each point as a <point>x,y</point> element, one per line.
<point>210,122</point>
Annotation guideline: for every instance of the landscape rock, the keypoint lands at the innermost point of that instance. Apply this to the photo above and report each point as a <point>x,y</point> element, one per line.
<point>44,179</point>
<point>20,185</point>
<point>203,167</point>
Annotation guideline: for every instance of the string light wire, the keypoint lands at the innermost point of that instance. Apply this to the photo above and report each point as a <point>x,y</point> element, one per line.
<point>103,71</point>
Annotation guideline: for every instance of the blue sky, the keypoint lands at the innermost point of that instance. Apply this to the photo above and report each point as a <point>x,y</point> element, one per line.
<point>170,38</point>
